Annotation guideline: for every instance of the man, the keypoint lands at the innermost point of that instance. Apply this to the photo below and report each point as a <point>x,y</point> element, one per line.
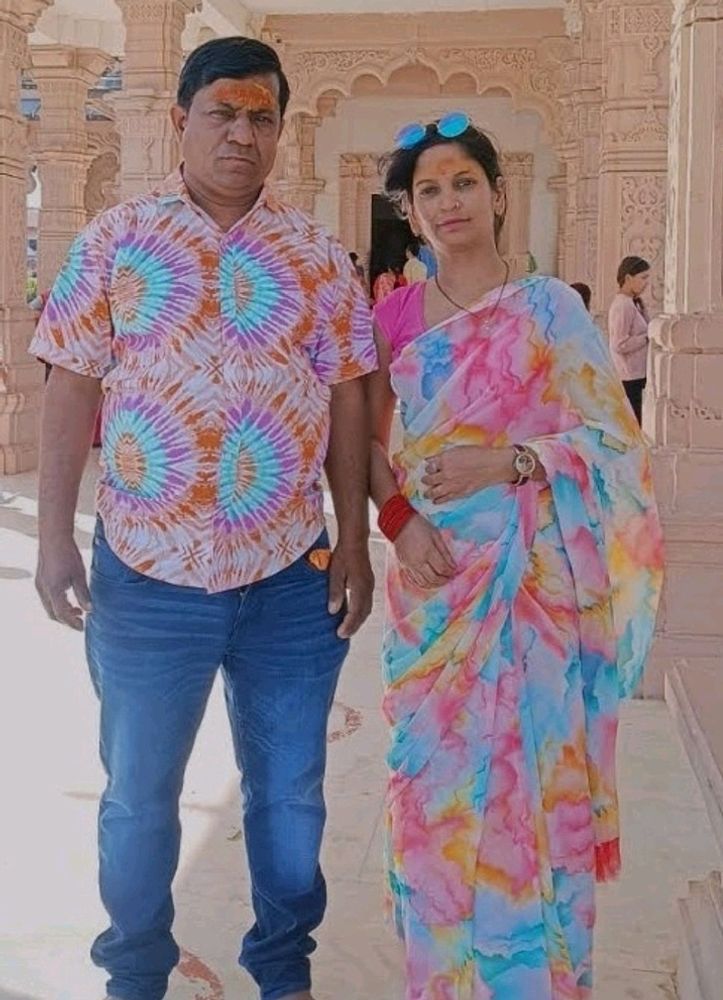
<point>414,269</point>
<point>231,337</point>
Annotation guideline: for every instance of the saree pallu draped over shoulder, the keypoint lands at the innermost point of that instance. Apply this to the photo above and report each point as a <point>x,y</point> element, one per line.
<point>502,687</point>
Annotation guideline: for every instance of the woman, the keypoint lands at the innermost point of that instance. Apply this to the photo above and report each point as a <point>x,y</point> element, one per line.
<point>521,593</point>
<point>628,329</point>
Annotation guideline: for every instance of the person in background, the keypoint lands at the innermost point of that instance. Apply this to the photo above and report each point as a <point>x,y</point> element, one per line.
<point>384,284</point>
<point>414,269</point>
<point>358,267</point>
<point>427,257</point>
<point>628,329</point>
<point>584,291</point>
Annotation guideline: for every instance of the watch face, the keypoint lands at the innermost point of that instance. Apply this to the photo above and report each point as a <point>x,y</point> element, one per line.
<point>524,464</point>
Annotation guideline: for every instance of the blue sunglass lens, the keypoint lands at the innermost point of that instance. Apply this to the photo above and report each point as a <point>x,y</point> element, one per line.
<point>453,124</point>
<point>409,136</point>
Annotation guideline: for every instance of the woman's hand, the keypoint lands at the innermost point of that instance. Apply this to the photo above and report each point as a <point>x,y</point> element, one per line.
<point>458,472</point>
<point>423,555</point>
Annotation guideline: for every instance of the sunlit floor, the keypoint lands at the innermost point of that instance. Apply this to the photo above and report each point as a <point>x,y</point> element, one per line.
<point>49,911</point>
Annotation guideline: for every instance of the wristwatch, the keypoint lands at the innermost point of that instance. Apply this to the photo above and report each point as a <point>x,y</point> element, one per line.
<point>525,464</point>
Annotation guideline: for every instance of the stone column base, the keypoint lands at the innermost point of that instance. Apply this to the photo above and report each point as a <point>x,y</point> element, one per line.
<point>690,622</point>
<point>700,963</point>
<point>21,387</point>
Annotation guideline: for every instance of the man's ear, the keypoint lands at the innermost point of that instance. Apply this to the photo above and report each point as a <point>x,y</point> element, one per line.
<point>179,117</point>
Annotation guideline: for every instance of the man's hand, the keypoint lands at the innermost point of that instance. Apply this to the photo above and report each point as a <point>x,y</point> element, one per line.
<point>423,554</point>
<point>350,572</point>
<point>60,569</point>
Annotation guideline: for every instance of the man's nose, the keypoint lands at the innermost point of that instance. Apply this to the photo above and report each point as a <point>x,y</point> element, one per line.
<point>241,130</point>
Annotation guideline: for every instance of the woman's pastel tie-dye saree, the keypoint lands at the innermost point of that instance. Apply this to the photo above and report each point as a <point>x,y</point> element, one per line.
<point>502,687</point>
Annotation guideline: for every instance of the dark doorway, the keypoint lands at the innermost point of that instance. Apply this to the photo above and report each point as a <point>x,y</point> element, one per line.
<point>390,237</point>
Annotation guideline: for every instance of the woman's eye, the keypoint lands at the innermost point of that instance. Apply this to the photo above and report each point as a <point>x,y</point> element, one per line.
<point>427,192</point>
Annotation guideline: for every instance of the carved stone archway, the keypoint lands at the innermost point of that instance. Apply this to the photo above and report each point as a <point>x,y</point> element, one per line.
<point>530,75</point>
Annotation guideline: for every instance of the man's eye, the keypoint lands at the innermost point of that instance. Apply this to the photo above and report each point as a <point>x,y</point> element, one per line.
<point>220,113</point>
<point>263,119</point>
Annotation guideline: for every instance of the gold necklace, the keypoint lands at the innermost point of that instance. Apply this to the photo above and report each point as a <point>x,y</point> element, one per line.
<point>470,311</point>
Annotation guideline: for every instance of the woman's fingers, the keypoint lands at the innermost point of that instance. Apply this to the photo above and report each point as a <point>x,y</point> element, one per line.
<point>444,552</point>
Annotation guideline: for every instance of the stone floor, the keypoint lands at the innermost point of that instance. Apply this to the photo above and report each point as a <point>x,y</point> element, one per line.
<point>49,911</point>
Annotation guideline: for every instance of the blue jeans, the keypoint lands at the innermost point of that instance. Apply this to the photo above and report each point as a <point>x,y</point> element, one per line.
<point>154,649</point>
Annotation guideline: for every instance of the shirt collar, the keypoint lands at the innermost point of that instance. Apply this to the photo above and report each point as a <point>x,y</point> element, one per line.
<point>173,189</point>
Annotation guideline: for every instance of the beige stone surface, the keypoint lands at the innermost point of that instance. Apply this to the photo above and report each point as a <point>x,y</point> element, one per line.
<point>52,781</point>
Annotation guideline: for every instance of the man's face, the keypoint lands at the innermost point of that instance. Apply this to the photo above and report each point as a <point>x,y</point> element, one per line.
<point>230,134</point>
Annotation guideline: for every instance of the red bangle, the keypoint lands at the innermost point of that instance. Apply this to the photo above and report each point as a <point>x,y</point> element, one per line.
<point>394,515</point>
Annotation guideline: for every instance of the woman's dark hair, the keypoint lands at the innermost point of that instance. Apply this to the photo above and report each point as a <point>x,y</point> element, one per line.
<point>631,266</point>
<point>234,58</point>
<point>398,167</point>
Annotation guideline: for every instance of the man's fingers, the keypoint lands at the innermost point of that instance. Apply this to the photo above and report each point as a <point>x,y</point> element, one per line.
<point>47,605</point>
<point>337,586</point>
<point>66,613</point>
<point>82,594</point>
<point>360,606</point>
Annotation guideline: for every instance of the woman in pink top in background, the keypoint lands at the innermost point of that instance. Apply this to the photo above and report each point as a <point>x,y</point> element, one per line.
<point>628,329</point>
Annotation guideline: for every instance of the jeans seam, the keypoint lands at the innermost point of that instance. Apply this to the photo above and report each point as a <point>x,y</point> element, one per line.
<point>243,595</point>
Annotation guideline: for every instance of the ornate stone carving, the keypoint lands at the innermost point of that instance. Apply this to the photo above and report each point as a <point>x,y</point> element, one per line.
<point>533,76</point>
<point>643,201</point>
<point>102,188</point>
<point>649,129</point>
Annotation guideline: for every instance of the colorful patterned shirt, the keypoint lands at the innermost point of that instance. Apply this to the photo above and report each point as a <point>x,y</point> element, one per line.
<point>216,352</point>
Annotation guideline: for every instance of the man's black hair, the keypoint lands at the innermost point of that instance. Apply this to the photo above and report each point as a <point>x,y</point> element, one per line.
<point>234,58</point>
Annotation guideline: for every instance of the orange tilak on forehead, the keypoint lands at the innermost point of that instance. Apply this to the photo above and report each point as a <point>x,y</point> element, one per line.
<point>244,95</point>
<point>449,164</point>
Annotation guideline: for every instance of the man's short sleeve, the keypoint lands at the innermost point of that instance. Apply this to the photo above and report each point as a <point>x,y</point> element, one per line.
<point>75,329</point>
<point>344,348</point>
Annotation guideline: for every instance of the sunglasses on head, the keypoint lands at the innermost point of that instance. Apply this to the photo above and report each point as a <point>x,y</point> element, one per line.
<point>450,126</point>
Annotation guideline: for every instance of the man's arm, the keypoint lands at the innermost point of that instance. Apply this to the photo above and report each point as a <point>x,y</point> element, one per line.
<point>347,469</point>
<point>69,412</point>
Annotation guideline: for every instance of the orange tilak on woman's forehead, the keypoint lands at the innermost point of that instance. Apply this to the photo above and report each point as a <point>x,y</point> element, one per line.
<point>453,161</point>
<point>244,95</point>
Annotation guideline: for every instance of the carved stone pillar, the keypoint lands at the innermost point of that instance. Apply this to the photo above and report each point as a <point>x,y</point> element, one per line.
<point>63,75</point>
<point>633,161</point>
<point>359,181</point>
<point>685,412</point>
<point>515,238</point>
<point>558,186</point>
<point>296,180</point>
<point>21,377</point>
<point>580,150</point>
<point>153,57</point>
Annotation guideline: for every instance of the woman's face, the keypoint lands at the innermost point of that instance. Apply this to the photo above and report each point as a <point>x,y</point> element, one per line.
<point>637,283</point>
<point>453,204</point>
